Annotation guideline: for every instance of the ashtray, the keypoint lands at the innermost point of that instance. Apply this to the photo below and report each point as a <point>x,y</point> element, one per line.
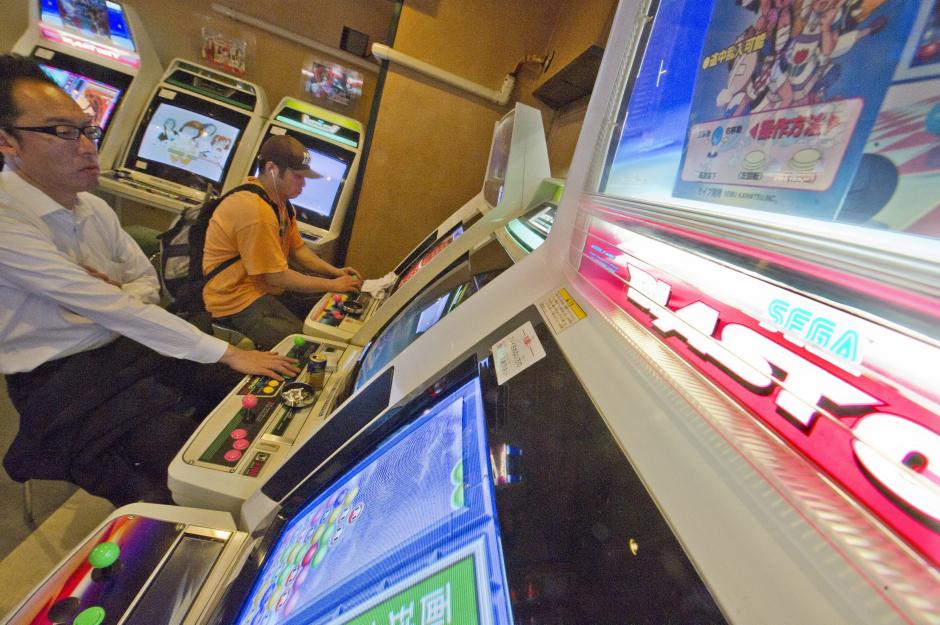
<point>352,307</point>
<point>298,395</point>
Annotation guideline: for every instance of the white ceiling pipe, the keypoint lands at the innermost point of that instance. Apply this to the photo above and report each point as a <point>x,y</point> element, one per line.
<point>500,97</point>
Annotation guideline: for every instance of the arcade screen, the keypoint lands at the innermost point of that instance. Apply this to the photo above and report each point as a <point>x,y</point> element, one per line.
<point>438,246</point>
<point>406,535</point>
<point>101,20</point>
<point>186,140</point>
<point>476,502</point>
<point>419,316</point>
<point>498,161</point>
<point>97,99</point>
<point>316,204</point>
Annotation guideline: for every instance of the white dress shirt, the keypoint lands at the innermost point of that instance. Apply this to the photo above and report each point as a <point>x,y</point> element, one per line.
<point>50,307</point>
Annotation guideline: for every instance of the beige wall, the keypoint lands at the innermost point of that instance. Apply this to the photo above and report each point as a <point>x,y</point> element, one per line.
<point>273,62</point>
<point>431,142</point>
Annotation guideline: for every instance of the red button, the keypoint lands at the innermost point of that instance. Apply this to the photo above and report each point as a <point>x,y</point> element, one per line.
<point>241,444</point>
<point>239,433</point>
<point>232,455</point>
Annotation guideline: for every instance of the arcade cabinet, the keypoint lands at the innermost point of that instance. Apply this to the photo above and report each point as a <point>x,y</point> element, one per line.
<point>639,422</point>
<point>517,164</point>
<point>193,139</point>
<point>256,428</point>
<point>334,143</point>
<point>241,444</point>
<point>98,51</point>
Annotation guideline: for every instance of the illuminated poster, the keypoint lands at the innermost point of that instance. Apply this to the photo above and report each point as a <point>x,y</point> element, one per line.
<point>896,185</point>
<point>329,81</point>
<point>921,58</point>
<point>785,96</point>
<point>90,16</point>
<point>224,52</point>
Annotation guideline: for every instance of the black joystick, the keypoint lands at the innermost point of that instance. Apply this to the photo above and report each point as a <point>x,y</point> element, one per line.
<point>64,610</point>
<point>353,307</point>
<point>105,562</point>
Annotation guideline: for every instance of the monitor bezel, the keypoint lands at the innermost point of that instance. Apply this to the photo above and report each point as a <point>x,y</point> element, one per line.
<point>94,71</point>
<point>236,118</point>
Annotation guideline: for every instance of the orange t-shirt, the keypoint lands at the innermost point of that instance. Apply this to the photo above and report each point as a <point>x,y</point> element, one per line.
<point>245,224</point>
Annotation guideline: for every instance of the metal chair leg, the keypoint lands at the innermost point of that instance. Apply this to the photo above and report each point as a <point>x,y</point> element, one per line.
<point>28,503</point>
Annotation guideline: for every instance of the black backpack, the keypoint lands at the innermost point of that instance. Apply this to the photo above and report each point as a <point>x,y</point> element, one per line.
<point>182,248</point>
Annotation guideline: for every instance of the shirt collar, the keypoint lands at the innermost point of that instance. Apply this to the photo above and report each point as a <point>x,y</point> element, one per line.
<point>32,200</point>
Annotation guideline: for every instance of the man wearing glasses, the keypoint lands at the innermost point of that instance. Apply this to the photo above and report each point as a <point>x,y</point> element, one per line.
<point>99,374</point>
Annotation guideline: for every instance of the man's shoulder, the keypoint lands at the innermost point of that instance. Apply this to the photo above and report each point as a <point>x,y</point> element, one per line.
<point>245,204</point>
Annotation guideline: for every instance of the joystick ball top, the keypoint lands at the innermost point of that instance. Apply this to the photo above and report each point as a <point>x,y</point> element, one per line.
<point>104,555</point>
<point>249,401</point>
<point>300,341</point>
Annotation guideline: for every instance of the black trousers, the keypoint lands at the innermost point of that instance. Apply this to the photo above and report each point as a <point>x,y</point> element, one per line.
<point>111,419</point>
<point>271,318</point>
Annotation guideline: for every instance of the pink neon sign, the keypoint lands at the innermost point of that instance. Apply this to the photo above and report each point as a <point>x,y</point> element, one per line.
<point>875,436</point>
<point>131,60</point>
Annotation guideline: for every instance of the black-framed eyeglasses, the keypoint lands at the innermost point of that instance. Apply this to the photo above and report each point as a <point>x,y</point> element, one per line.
<point>65,131</point>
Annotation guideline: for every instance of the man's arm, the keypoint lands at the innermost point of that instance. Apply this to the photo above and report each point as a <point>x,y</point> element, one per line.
<point>310,261</point>
<point>32,264</point>
<point>291,280</point>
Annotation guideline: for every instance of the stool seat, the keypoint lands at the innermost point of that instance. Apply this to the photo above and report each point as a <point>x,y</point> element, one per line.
<point>145,237</point>
<point>231,336</point>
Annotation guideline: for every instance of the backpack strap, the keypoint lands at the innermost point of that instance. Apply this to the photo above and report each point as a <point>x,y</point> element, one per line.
<point>225,264</point>
<point>260,192</point>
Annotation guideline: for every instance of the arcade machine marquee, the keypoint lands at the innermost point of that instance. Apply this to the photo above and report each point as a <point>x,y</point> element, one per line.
<point>98,51</point>
<point>526,233</point>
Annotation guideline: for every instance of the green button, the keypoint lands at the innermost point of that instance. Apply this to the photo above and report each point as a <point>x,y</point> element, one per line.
<point>300,341</point>
<point>90,616</point>
<point>104,555</point>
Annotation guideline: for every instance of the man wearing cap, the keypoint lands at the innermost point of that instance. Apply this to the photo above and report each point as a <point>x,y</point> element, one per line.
<point>250,295</point>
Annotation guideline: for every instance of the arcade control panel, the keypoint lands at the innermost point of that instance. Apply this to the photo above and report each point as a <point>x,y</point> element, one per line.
<point>338,315</point>
<point>135,569</point>
<point>124,185</point>
<point>252,431</point>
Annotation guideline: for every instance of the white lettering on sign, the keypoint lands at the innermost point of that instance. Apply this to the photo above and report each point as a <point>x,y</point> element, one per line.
<point>886,444</point>
<point>895,452</point>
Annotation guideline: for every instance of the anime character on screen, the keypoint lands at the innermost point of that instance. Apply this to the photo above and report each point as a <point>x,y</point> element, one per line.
<point>795,65</point>
<point>89,15</point>
<point>218,150</point>
<point>169,131</point>
<point>188,143</point>
<point>751,74</point>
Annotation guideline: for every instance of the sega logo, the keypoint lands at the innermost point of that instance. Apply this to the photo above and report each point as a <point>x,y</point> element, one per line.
<point>815,330</point>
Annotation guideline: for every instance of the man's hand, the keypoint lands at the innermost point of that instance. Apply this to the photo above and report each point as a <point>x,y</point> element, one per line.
<point>345,284</point>
<point>94,273</point>
<point>259,363</point>
<point>349,271</point>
